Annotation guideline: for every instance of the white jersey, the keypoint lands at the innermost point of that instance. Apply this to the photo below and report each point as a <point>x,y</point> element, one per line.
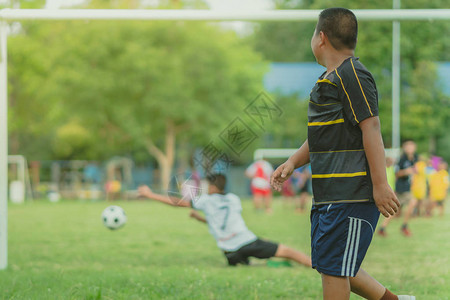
<point>260,171</point>
<point>225,222</point>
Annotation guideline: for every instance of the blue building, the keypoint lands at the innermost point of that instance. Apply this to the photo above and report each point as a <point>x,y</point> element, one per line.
<point>299,78</point>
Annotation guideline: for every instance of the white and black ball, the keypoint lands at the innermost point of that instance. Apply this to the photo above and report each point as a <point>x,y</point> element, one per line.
<point>114,217</point>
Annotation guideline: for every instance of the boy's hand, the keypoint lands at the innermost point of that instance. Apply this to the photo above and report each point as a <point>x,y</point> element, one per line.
<point>281,174</point>
<point>197,216</point>
<point>410,170</point>
<point>386,200</point>
<point>193,214</point>
<point>145,191</point>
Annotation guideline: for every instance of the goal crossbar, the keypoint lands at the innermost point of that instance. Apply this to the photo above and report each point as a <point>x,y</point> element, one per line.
<point>216,15</point>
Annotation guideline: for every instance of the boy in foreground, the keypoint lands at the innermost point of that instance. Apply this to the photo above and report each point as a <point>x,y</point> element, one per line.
<point>346,153</point>
<point>225,222</point>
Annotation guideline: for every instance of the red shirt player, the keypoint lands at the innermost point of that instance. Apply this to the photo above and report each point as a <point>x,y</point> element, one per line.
<point>260,172</point>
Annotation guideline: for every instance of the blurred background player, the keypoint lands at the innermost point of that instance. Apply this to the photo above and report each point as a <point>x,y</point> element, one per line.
<point>419,186</point>
<point>404,172</point>
<point>259,172</point>
<point>305,188</point>
<point>288,190</point>
<point>390,172</point>
<point>439,183</point>
<point>223,216</point>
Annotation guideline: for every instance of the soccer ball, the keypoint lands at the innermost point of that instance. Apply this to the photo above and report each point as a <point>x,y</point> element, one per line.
<point>114,217</point>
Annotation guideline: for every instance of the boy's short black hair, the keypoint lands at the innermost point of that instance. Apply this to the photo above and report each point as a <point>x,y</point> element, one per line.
<point>218,180</point>
<point>408,141</point>
<point>340,26</point>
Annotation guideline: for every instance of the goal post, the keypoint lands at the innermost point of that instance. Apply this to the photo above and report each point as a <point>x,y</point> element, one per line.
<point>3,148</point>
<point>296,15</point>
<point>7,15</point>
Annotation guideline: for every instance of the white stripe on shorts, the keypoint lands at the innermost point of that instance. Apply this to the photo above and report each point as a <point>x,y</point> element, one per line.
<point>351,248</point>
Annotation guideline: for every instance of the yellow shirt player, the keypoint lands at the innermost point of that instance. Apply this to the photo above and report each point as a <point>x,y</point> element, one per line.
<point>439,183</point>
<point>419,181</point>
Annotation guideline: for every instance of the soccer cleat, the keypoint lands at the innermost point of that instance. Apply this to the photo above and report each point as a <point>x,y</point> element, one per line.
<point>405,231</point>
<point>382,232</point>
<point>406,297</point>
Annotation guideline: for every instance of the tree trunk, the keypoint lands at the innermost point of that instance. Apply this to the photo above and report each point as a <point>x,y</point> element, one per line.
<point>170,154</point>
<point>432,145</point>
<point>165,159</point>
<point>183,156</point>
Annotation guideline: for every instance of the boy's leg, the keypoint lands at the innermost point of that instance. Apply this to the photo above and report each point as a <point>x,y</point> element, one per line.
<point>268,202</point>
<point>257,200</point>
<point>427,206</point>
<point>340,237</point>
<point>303,200</point>
<point>366,286</point>
<point>412,204</point>
<point>335,287</point>
<point>292,254</point>
<point>235,258</point>
<point>267,249</point>
<point>409,211</point>
<point>404,199</point>
<point>441,208</point>
<point>298,203</point>
<point>382,230</point>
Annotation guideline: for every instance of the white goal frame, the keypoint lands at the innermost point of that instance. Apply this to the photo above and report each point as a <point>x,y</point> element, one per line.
<point>8,15</point>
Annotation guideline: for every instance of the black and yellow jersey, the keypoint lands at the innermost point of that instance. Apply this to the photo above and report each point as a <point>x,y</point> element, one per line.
<point>338,103</point>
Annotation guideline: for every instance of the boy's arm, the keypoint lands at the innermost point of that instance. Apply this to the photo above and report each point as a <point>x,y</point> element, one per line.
<point>145,191</point>
<point>197,216</point>
<point>282,173</point>
<point>384,197</point>
<point>404,172</point>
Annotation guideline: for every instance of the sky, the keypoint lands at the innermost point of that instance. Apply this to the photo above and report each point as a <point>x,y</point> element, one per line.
<point>214,4</point>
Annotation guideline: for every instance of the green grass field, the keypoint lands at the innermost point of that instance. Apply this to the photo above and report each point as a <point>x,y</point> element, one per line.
<point>62,251</point>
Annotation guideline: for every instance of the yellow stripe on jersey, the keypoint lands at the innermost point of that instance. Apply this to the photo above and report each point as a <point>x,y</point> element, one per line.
<point>347,96</point>
<point>339,175</point>
<point>341,201</point>
<point>336,151</point>
<point>361,88</point>
<point>326,123</point>
<point>326,81</point>
<point>325,104</point>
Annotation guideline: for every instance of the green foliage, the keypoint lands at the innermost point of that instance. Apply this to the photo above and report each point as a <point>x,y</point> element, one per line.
<point>422,43</point>
<point>426,110</point>
<point>34,110</point>
<point>163,254</point>
<point>123,81</point>
<point>26,4</point>
<point>290,131</point>
<point>72,140</point>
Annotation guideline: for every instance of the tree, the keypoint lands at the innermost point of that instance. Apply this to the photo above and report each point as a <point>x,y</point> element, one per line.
<point>34,111</point>
<point>426,110</point>
<point>144,85</point>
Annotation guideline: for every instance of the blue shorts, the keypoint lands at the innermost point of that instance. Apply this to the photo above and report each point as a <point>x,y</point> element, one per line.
<point>340,236</point>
